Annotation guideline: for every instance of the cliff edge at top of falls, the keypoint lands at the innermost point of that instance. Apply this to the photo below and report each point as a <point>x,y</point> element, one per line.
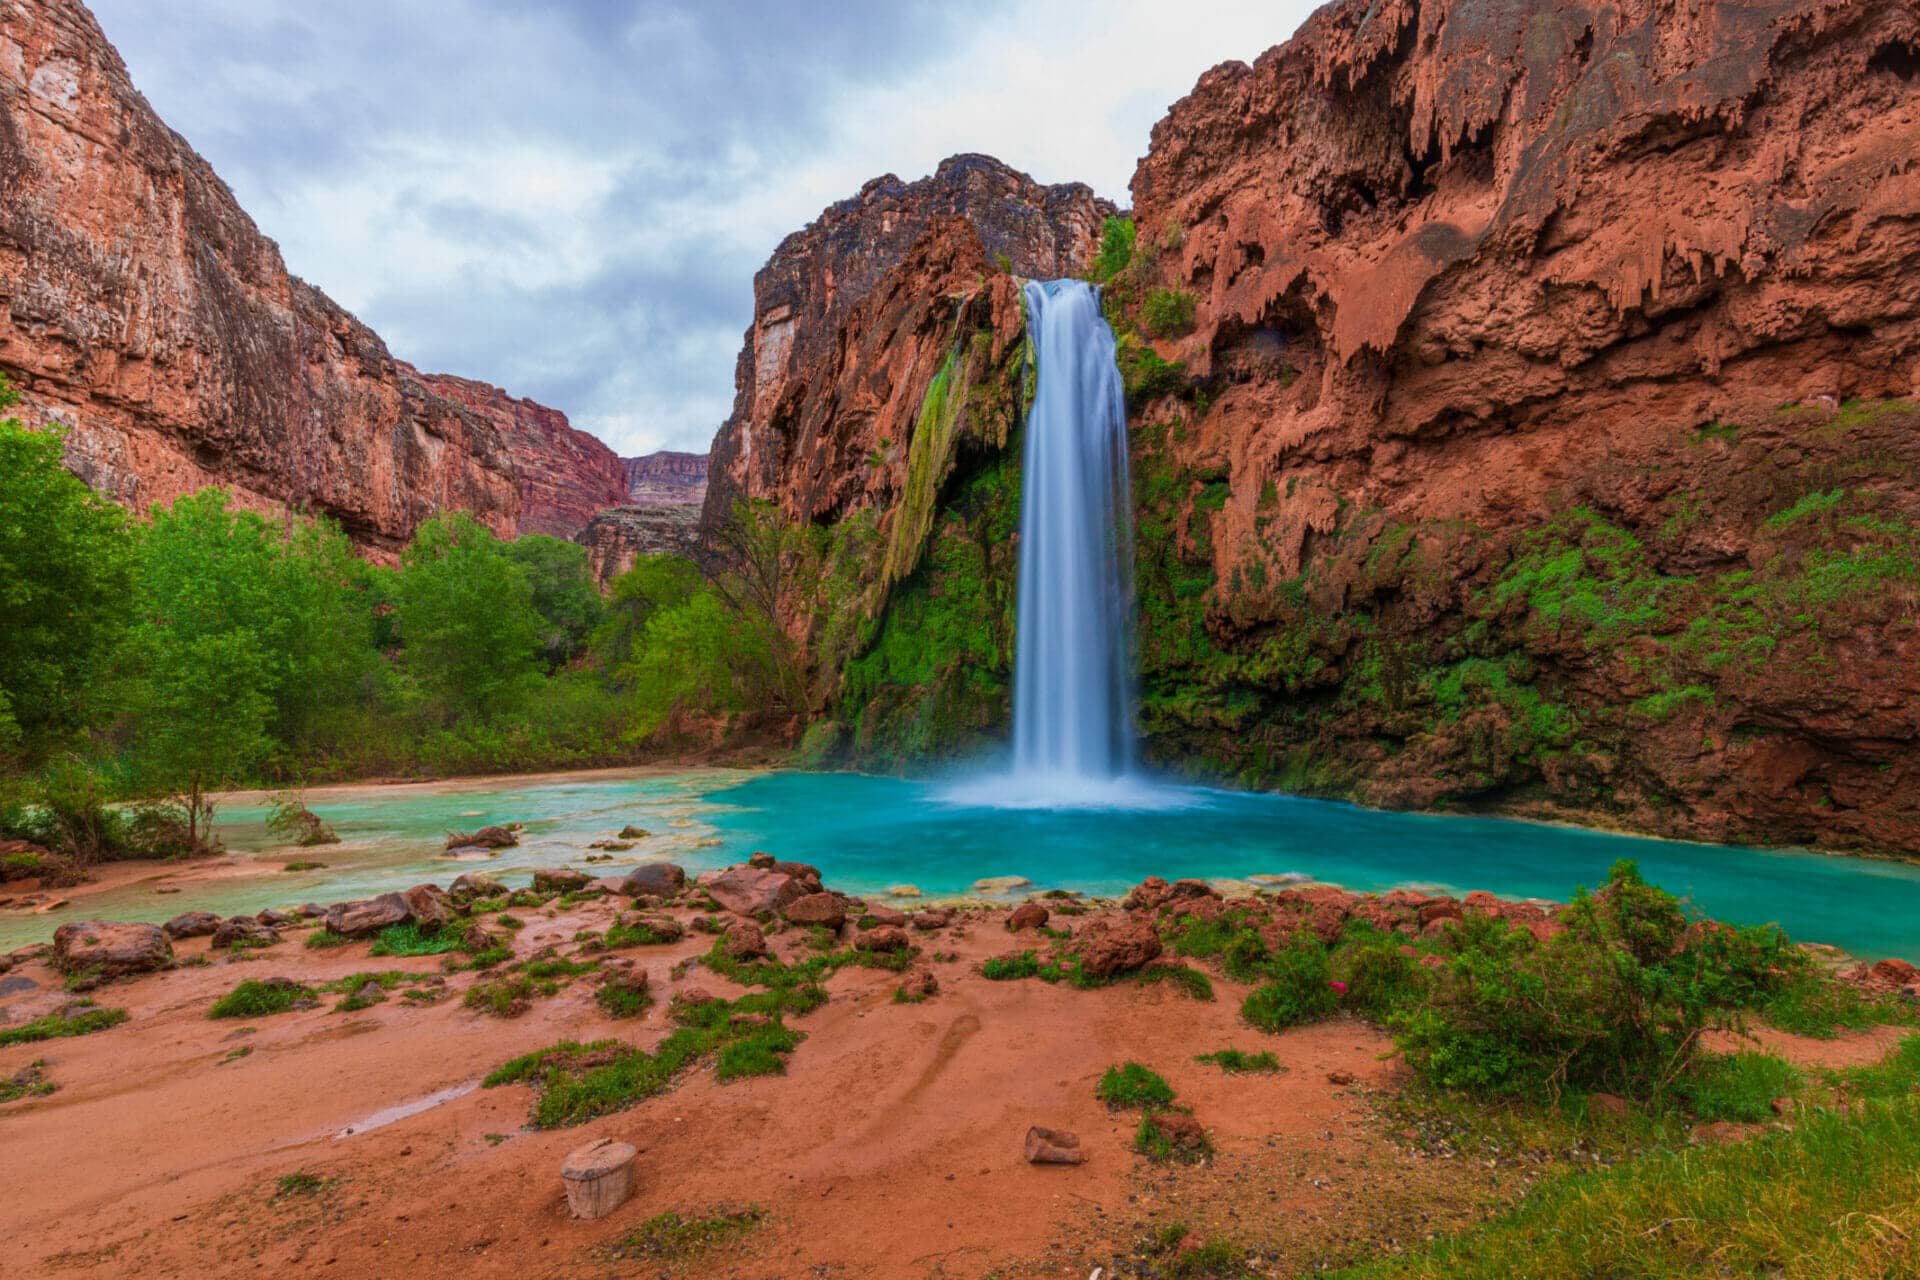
<point>815,280</point>
<point>141,307</point>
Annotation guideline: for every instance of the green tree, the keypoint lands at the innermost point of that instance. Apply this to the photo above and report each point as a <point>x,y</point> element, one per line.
<point>65,570</point>
<point>470,631</point>
<point>564,594</point>
<point>654,583</point>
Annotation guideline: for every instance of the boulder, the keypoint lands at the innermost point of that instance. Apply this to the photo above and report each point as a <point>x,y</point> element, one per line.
<point>800,871</point>
<point>1053,1146</point>
<point>760,861</point>
<point>1179,1128</point>
<point>244,930</point>
<point>367,916</point>
<point>475,885</point>
<point>275,918</point>
<point>1444,909</point>
<point>631,832</point>
<point>484,838</point>
<point>1107,948</point>
<point>745,941</point>
<point>825,909</point>
<point>655,880</point>
<point>875,914</point>
<point>110,948</point>
<point>560,880</point>
<point>1028,915</point>
<point>430,905</point>
<point>752,891</point>
<point>664,928</point>
<point>928,921</point>
<point>1154,893</point>
<point>884,938</point>
<point>191,924</point>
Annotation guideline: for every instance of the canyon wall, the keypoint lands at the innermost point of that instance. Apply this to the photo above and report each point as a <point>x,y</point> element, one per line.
<point>565,475</point>
<point>1535,421</point>
<point>143,309</point>
<point>772,446</point>
<point>659,513</point>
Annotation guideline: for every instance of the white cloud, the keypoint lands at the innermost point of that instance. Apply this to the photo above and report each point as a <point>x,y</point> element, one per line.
<point>572,200</point>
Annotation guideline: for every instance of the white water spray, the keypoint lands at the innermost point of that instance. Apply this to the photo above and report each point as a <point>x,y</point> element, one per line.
<point>1073,664</point>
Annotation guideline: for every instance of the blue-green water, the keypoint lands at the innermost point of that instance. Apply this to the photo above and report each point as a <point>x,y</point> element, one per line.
<point>870,833</point>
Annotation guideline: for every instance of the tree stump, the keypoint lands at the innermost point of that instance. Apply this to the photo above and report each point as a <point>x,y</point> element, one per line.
<point>599,1177</point>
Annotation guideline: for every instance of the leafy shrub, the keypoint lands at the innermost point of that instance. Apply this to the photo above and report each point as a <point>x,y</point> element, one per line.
<point>1299,989</point>
<point>1167,313</point>
<point>1117,237</point>
<point>1235,1063</point>
<point>1132,1085</point>
<point>413,939</point>
<point>1007,968</point>
<point>1380,978</point>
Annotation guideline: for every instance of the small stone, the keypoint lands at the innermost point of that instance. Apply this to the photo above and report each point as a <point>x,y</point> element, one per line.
<point>560,880</point>
<point>1340,1077</point>
<point>884,938</point>
<point>1028,915</point>
<point>902,891</point>
<point>631,832</point>
<point>1053,1146</point>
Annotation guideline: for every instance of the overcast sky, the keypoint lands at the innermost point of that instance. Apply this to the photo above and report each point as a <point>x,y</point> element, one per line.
<point>569,198</point>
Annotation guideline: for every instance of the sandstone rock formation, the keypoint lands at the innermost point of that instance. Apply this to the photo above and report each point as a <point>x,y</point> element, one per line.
<point>142,308</point>
<point>659,513</point>
<point>566,476</point>
<point>818,276</point>
<point>1544,436</point>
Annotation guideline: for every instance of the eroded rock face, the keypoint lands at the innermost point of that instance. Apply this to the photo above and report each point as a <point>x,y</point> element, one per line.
<point>1521,333</point>
<point>773,445</point>
<point>141,307</point>
<point>565,475</point>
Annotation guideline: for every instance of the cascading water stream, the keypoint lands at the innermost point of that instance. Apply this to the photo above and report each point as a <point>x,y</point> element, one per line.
<point>1073,663</point>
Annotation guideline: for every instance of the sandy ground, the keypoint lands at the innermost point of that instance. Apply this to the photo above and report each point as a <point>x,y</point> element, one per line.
<point>892,1147</point>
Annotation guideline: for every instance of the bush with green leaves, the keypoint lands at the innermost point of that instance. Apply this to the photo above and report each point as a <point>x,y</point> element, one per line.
<point>1133,1085</point>
<point>1167,313</point>
<point>1298,988</point>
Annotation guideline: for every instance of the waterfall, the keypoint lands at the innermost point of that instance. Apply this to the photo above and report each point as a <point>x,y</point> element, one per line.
<point>1073,662</point>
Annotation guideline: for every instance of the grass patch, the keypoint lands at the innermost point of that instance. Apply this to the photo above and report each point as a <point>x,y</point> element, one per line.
<point>1184,977</point>
<point>260,998</point>
<point>1814,1003</point>
<point>1213,1260</point>
<point>760,1054</point>
<point>1740,1086</point>
<point>414,939</point>
<point>619,1000</point>
<point>304,865</point>
<point>55,1025</point>
<point>1837,1198</point>
<point>323,939</point>
<point>1132,1085</point>
<point>671,1237</point>
<point>1236,1063</point>
<point>641,934</point>
<point>299,1184</point>
<point>28,1082</point>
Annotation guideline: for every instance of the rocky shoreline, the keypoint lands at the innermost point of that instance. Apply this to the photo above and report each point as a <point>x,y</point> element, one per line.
<point>335,1050</point>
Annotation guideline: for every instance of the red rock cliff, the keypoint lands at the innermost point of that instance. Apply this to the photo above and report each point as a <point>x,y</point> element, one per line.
<point>565,475</point>
<point>818,276</point>
<point>1548,434</point>
<point>140,306</point>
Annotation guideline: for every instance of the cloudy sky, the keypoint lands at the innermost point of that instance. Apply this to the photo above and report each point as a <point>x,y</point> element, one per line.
<point>569,198</point>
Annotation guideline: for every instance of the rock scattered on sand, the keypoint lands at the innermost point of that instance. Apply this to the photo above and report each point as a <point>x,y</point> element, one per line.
<point>919,984</point>
<point>430,905</point>
<point>1053,1146</point>
<point>751,890</point>
<point>631,832</point>
<point>191,924</point>
<point>928,921</point>
<point>367,916</point>
<point>902,891</point>
<point>884,938</point>
<point>110,948</point>
<point>560,880</point>
<point>655,880</point>
<point>243,931</point>
<point>1107,948</point>
<point>475,885</point>
<point>745,941</point>
<point>1028,915</point>
<point>825,909</point>
<point>1340,1076</point>
<point>874,913</point>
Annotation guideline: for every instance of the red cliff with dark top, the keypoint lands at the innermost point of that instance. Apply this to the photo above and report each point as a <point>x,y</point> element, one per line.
<point>142,308</point>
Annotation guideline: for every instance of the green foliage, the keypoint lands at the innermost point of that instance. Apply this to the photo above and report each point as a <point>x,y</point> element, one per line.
<point>1025,964</point>
<point>466,614</point>
<point>1299,989</point>
<point>1834,1199</point>
<point>1184,977</point>
<point>622,1000</point>
<point>413,939</point>
<point>1158,1142</point>
<point>28,1082</point>
<point>564,594</point>
<point>1145,375</point>
<point>323,939</point>
<point>53,1026</point>
<point>654,583</point>
<point>1117,237</point>
<point>1132,1085</point>
<point>65,571</point>
<point>260,998</point>
<point>299,1184</point>
<point>1739,1087</point>
<point>760,1053</point>
<point>674,1237</point>
<point>1236,1063</point>
<point>1167,313</point>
